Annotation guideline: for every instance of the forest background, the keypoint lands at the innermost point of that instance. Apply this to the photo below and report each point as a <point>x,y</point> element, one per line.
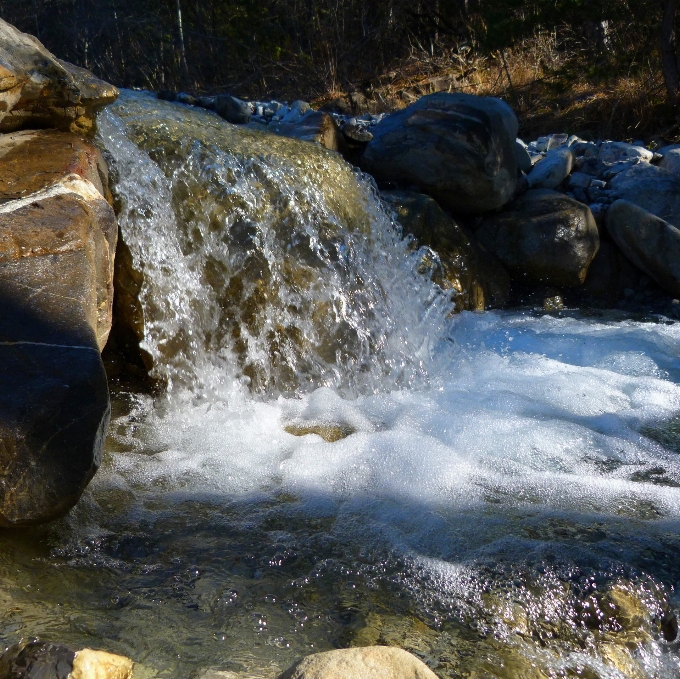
<point>599,68</point>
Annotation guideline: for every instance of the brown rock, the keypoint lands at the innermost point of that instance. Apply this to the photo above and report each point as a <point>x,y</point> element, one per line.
<point>370,662</point>
<point>38,90</point>
<point>461,266</point>
<point>57,243</point>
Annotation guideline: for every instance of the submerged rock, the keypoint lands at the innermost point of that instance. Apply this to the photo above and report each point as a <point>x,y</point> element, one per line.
<point>39,90</point>
<point>459,265</point>
<point>543,237</point>
<point>649,242</point>
<point>458,148</point>
<point>370,662</point>
<point>57,242</point>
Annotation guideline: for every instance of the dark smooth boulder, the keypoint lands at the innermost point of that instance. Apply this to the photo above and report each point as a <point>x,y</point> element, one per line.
<point>543,237</point>
<point>459,266</point>
<point>233,110</point>
<point>458,148</point>
<point>650,243</point>
<point>39,90</point>
<point>57,243</point>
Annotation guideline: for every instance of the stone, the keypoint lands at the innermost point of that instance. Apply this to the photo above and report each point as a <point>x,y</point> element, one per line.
<point>339,105</point>
<point>458,148</point>
<point>670,159</point>
<point>297,110</point>
<point>38,90</point>
<point>232,109</point>
<point>90,664</point>
<point>611,152</point>
<point>543,237</point>
<point>316,127</point>
<point>369,662</point>
<point>356,133</point>
<point>524,161</point>
<point>460,266</point>
<point>550,172</point>
<point>556,141</point>
<point>57,242</point>
<point>653,188</point>
<point>650,243</point>
<point>579,180</point>
<point>36,660</point>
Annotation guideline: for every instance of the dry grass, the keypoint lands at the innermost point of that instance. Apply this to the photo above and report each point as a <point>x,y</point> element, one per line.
<point>547,83</point>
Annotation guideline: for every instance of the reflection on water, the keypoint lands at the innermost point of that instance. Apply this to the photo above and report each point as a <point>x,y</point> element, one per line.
<point>338,461</point>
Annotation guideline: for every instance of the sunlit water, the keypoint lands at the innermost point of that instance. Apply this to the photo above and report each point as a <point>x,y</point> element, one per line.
<point>498,493</point>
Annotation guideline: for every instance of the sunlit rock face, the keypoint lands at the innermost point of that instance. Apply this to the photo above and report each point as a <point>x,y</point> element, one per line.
<point>57,243</point>
<point>39,90</point>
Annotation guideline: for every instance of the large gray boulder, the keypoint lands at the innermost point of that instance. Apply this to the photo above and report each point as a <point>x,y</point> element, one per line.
<point>550,172</point>
<point>649,242</point>
<point>653,188</point>
<point>458,148</point>
<point>543,237</point>
<point>369,662</point>
<point>39,90</point>
<point>57,243</point>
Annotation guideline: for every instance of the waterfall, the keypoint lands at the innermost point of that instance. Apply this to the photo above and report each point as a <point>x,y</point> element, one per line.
<point>338,460</point>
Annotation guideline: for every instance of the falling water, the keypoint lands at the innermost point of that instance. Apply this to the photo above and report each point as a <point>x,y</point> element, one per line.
<point>338,460</point>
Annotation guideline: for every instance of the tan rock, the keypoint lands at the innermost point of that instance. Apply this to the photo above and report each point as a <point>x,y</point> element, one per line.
<point>370,662</point>
<point>89,664</point>
<point>57,244</point>
<point>38,90</point>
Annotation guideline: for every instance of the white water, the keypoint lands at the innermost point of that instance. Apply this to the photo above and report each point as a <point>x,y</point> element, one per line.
<point>468,432</point>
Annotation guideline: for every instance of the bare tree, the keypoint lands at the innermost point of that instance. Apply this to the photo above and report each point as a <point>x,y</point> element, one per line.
<point>669,51</point>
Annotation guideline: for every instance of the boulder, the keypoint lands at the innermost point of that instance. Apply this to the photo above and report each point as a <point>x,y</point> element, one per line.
<point>41,660</point>
<point>670,158</point>
<point>370,662</point>
<point>458,148</point>
<point>650,243</point>
<point>524,161</point>
<point>297,110</point>
<point>57,243</point>
<point>611,152</point>
<point>550,172</point>
<point>316,127</point>
<point>232,109</point>
<point>38,90</point>
<point>543,237</point>
<point>459,265</point>
<point>653,188</point>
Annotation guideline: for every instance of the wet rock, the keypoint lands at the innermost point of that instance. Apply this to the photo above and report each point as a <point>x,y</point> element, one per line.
<point>90,664</point>
<point>232,109</point>
<point>543,237</point>
<point>459,265</point>
<point>297,110</point>
<point>370,662</point>
<point>649,242</point>
<point>458,148</point>
<point>652,188</point>
<point>315,127</point>
<point>41,660</point>
<point>550,172</point>
<point>356,133</point>
<point>524,161</point>
<point>57,242</point>
<point>38,90</point>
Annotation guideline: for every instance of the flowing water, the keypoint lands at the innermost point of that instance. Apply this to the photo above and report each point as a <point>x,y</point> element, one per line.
<point>338,460</point>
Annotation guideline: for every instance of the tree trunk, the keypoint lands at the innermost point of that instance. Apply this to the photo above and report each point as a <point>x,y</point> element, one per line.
<point>669,56</point>
<point>182,51</point>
